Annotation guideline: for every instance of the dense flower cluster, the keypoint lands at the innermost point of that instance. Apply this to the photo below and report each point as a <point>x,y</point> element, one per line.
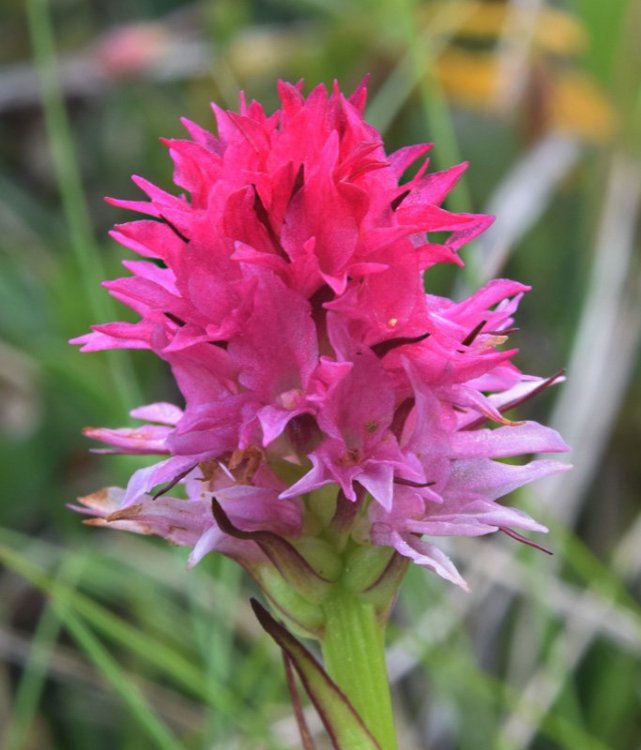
<point>286,293</point>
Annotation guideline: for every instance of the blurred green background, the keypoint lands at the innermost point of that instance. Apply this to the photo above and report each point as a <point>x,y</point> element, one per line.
<point>106,641</point>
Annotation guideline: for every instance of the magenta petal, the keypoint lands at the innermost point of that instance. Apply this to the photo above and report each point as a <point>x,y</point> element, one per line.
<point>318,476</point>
<point>403,158</point>
<point>434,187</point>
<point>378,480</point>
<point>151,239</point>
<point>278,350</point>
<point>255,508</point>
<point>117,336</point>
<point>273,420</point>
<point>209,429</point>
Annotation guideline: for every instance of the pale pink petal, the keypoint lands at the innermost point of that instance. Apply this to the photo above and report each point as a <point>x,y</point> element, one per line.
<point>491,479</point>
<point>420,552</point>
<point>501,442</point>
<point>144,439</point>
<point>160,412</point>
<point>144,480</point>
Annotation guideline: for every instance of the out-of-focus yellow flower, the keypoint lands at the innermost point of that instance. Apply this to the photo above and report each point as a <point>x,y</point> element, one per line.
<point>578,106</point>
<point>565,100</point>
<point>553,93</point>
<point>556,31</point>
<point>469,78</point>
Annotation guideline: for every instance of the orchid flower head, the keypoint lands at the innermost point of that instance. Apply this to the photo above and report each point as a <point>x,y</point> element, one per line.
<point>324,390</point>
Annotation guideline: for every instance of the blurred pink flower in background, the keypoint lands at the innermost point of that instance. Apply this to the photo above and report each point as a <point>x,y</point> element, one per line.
<point>130,49</point>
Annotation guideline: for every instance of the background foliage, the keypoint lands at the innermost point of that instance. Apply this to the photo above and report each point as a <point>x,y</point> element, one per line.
<point>105,640</point>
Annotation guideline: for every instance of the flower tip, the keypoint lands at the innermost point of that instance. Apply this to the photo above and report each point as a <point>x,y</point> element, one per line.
<point>358,99</point>
<point>560,446</point>
<point>363,83</point>
<point>486,221</point>
<point>102,500</point>
<point>139,181</point>
<point>453,576</point>
<point>287,89</point>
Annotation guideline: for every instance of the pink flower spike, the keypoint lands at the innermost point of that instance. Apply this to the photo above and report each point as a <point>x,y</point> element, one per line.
<point>282,282</point>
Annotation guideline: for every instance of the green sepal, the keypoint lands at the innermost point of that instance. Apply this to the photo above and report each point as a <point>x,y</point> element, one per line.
<point>293,567</point>
<point>364,567</point>
<point>374,574</point>
<point>382,592</point>
<point>303,616</point>
<point>320,555</point>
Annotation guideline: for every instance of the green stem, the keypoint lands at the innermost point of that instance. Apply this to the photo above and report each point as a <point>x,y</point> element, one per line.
<point>354,652</point>
<point>82,241</point>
